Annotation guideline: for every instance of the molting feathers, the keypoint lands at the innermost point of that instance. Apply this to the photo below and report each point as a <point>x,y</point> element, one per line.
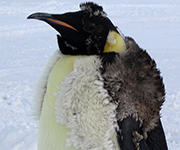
<point>110,100</point>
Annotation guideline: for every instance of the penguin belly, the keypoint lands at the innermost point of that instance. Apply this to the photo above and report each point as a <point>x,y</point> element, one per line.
<point>52,135</point>
<point>86,107</point>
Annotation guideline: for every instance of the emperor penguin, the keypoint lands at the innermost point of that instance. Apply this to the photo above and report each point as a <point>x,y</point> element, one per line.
<point>101,91</point>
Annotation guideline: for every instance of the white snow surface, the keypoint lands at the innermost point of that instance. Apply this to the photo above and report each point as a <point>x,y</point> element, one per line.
<point>26,45</point>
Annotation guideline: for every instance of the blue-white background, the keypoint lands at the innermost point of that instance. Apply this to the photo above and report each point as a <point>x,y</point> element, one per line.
<point>26,45</point>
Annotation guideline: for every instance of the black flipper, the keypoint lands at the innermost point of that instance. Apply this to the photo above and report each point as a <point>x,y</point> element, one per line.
<point>130,136</point>
<point>156,138</point>
<point>128,127</point>
<point>125,136</point>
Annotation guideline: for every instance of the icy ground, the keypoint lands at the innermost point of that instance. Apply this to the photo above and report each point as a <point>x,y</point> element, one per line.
<point>26,45</point>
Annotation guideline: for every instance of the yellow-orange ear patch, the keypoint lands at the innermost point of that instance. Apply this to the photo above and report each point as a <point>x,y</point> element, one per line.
<point>114,43</point>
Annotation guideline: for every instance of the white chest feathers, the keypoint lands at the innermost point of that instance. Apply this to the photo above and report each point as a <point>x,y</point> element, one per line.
<point>84,106</point>
<point>74,109</point>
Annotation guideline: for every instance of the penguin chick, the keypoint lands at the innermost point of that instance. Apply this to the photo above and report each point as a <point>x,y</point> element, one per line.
<point>103,92</point>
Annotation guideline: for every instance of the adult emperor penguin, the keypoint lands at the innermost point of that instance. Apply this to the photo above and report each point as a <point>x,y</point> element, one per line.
<point>101,91</point>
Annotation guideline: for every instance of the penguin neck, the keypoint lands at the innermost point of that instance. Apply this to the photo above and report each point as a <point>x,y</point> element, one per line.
<point>114,43</point>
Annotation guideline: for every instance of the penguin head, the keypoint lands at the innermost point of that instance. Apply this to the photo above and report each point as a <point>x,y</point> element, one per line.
<point>85,32</point>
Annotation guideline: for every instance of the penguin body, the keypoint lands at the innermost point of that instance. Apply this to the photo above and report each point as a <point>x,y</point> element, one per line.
<point>103,92</point>
<point>78,71</point>
<point>48,127</point>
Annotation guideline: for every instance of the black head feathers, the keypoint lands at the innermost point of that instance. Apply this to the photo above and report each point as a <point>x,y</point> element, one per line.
<point>93,9</point>
<point>82,32</point>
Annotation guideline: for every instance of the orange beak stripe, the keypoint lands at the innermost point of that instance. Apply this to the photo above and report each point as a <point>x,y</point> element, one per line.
<point>62,24</point>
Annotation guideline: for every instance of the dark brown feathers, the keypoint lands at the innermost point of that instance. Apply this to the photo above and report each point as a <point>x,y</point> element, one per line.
<point>134,82</point>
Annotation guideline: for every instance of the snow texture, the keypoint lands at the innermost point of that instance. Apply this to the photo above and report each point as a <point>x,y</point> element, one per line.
<point>26,46</point>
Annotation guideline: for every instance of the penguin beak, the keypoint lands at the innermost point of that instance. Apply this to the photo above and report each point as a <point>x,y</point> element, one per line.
<point>69,25</point>
<point>50,20</point>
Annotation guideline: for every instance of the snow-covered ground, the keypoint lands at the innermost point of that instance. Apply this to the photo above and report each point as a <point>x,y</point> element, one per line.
<point>26,45</point>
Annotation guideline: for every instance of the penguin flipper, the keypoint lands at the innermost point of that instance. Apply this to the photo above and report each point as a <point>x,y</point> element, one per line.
<point>156,138</point>
<point>131,133</point>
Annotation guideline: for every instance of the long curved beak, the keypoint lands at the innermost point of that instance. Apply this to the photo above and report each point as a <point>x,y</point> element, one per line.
<point>69,25</point>
<point>50,20</point>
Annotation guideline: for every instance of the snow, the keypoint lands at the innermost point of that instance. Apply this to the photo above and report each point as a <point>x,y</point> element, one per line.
<point>26,45</point>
